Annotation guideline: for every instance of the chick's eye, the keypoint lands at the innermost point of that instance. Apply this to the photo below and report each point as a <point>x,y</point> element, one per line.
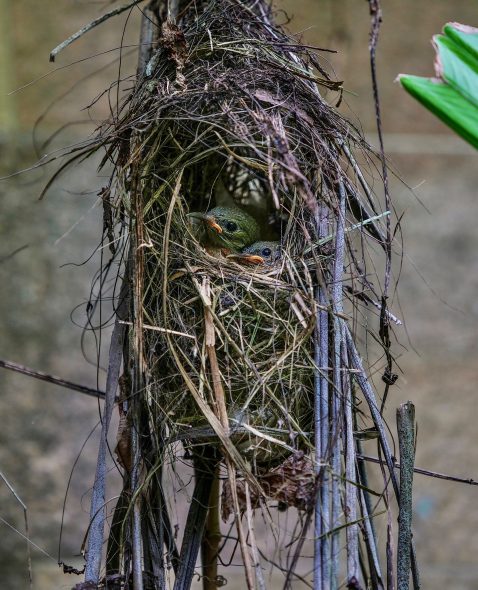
<point>266,252</point>
<point>231,226</point>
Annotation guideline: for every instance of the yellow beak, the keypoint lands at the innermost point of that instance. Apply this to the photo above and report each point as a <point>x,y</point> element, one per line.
<point>248,258</point>
<point>213,224</point>
<point>210,221</point>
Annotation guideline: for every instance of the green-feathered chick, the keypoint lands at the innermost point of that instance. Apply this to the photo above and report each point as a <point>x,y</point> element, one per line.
<point>228,228</point>
<point>262,252</point>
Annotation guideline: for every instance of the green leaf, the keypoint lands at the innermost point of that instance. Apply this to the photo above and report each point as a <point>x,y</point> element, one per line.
<point>446,103</point>
<point>453,95</point>
<point>458,67</point>
<point>464,36</point>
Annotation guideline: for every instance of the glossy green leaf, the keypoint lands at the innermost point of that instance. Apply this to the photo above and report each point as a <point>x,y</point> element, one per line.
<point>453,95</point>
<point>457,67</point>
<point>464,36</point>
<point>446,103</point>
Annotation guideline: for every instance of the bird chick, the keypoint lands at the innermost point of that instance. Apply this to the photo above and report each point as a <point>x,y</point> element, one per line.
<point>262,252</point>
<point>228,227</point>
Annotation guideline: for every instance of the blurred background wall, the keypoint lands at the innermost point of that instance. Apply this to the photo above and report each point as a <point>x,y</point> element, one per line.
<point>45,286</point>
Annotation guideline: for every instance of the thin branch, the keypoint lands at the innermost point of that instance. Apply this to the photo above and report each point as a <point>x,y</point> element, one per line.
<point>136,539</point>
<point>13,253</point>
<point>371,542</point>
<point>51,379</point>
<point>376,13</point>
<point>261,585</point>
<point>369,396</point>
<point>388,377</point>
<point>91,25</point>
<point>25,517</point>
<point>468,480</point>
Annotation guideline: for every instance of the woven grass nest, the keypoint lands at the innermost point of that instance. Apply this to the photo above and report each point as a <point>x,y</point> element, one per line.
<point>250,372</point>
<point>230,111</point>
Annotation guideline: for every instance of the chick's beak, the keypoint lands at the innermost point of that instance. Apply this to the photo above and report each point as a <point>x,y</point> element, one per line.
<point>208,220</point>
<point>213,224</point>
<point>248,258</point>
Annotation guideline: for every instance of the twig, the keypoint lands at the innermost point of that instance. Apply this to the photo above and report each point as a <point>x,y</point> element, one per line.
<point>389,545</point>
<point>13,253</point>
<point>211,544</point>
<point>389,378</point>
<point>159,329</point>
<point>353,227</point>
<point>51,379</point>
<point>376,13</point>
<point>91,25</point>
<point>246,558</point>
<point>27,531</point>
<point>252,536</point>
<point>370,535</point>
<point>369,396</point>
<point>221,411</point>
<point>468,480</point>
<point>371,542</point>
<point>406,440</point>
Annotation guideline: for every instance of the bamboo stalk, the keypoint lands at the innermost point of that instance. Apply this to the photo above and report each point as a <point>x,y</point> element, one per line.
<point>193,532</point>
<point>337,393</point>
<point>351,496</point>
<point>138,383</point>
<point>136,529</point>
<point>97,515</point>
<point>211,538</point>
<point>406,440</point>
<point>389,545</point>
<point>321,357</point>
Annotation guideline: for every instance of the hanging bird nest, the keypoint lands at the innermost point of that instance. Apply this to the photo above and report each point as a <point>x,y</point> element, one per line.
<point>230,112</point>
<point>226,352</point>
